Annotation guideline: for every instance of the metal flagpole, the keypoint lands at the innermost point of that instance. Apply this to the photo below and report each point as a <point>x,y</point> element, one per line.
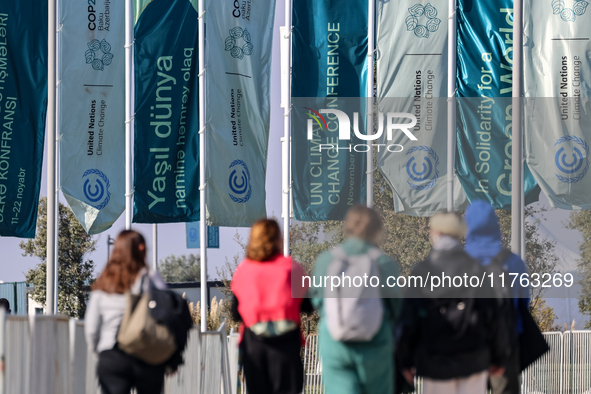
<point>57,152</point>
<point>202,206</point>
<point>155,247</point>
<point>51,162</point>
<point>451,101</point>
<point>285,141</point>
<point>129,40</point>
<point>370,100</point>
<point>517,225</point>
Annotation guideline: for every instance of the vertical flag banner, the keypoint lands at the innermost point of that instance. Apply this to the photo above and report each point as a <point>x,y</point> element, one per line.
<point>484,83</point>
<point>557,85</point>
<point>238,71</point>
<point>412,78</point>
<point>23,105</point>
<point>193,239</point>
<point>329,64</point>
<point>92,111</point>
<point>166,159</point>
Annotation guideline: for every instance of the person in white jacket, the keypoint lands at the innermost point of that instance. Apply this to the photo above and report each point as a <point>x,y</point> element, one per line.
<point>117,371</point>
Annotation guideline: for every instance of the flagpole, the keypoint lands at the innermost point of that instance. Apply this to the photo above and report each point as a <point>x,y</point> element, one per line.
<point>51,162</point>
<point>451,101</point>
<point>285,141</point>
<point>202,205</point>
<point>370,101</point>
<point>129,39</point>
<point>57,150</point>
<point>517,225</point>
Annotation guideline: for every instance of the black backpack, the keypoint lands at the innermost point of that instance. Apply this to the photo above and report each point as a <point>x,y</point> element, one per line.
<point>172,310</point>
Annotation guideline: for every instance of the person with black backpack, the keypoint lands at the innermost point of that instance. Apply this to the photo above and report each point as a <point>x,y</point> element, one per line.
<point>355,333</point>
<point>483,242</point>
<point>138,328</point>
<point>451,336</point>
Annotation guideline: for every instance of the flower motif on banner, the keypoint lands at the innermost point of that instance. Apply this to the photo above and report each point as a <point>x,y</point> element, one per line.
<point>96,188</point>
<point>569,14</point>
<point>419,13</point>
<point>238,36</point>
<point>571,159</point>
<point>240,182</point>
<point>99,54</point>
<point>427,175</point>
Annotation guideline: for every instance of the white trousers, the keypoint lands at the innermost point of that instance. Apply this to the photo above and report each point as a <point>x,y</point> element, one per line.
<point>473,384</point>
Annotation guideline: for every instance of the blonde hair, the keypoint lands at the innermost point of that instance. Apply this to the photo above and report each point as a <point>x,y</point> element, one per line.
<point>362,222</point>
<point>448,223</point>
<point>265,240</point>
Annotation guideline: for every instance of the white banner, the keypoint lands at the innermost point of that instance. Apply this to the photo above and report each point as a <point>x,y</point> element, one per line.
<point>92,110</point>
<point>557,90</point>
<point>238,53</point>
<point>412,77</point>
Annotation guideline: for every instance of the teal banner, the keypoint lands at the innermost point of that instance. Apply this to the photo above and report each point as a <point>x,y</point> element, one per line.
<point>92,110</point>
<point>412,77</point>
<point>329,64</point>
<point>166,167</point>
<point>557,86</point>
<point>238,55</point>
<point>23,105</point>
<point>484,83</point>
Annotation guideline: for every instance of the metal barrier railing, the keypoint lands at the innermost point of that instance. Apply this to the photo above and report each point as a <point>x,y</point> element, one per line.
<point>49,355</point>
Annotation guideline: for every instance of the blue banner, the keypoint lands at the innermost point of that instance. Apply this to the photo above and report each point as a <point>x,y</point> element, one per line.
<point>329,63</point>
<point>194,241</point>
<point>166,167</point>
<point>484,79</point>
<point>23,105</point>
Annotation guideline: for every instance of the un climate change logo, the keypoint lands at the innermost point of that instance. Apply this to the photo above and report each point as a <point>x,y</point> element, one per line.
<point>240,183</point>
<point>569,14</point>
<point>98,54</point>
<point>571,159</point>
<point>193,234</point>
<point>428,161</point>
<point>238,34</point>
<point>96,188</point>
<point>416,12</point>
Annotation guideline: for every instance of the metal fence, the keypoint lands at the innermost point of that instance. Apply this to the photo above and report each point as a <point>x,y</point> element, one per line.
<point>48,355</point>
<point>565,369</point>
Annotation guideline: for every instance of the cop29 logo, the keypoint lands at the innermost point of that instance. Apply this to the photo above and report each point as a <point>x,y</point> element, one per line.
<point>417,12</point>
<point>579,7</point>
<point>96,188</point>
<point>422,167</point>
<point>571,159</point>
<point>239,182</point>
<point>98,54</point>
<point>238,36</point>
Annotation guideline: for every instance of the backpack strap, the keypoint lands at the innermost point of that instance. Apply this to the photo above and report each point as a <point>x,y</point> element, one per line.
<point>338,253</point>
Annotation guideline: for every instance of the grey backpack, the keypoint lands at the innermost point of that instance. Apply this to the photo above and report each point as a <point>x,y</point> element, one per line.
<point>353,313</point>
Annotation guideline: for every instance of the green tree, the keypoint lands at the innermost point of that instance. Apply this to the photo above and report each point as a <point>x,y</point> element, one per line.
<point>75,271</point>
<point>181,268</point>
<point>581,221</point>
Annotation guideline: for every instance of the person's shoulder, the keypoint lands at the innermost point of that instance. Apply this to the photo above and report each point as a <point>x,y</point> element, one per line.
<point>515,264</point>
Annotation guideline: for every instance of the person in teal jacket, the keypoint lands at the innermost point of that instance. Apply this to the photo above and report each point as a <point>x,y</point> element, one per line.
<point>359,367</point>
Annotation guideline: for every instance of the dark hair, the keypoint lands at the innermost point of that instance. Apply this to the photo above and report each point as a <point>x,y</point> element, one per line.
<point>5,304</point>
<point>265,240</point>
<point>127,259</point>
